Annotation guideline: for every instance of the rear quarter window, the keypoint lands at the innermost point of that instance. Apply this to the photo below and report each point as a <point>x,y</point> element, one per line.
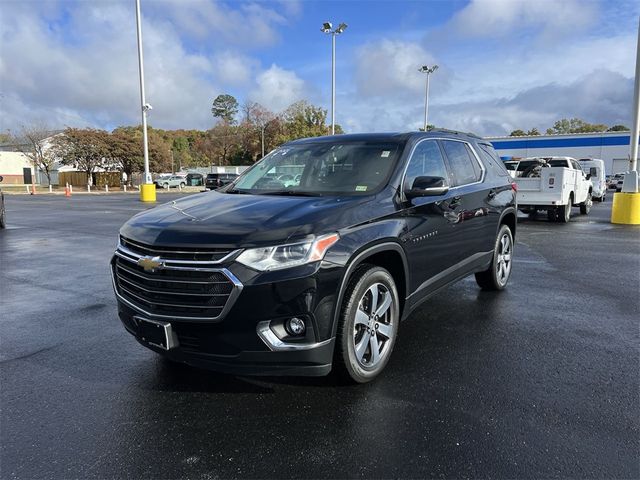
<point>490,158</point>
<point>464,167</point>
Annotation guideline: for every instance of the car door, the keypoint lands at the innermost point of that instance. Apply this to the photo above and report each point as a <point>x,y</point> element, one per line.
<point>430,221</point>
<point>475,232</point>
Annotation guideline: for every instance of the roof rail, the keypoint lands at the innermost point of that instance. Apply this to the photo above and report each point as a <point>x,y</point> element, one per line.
<point>446,130</point>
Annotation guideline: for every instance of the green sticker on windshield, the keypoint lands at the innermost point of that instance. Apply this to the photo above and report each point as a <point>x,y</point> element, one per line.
<point>361,188</point>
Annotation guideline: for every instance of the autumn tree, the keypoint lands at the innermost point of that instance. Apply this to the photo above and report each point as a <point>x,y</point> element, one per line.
<point>33,144</point>
<point>86,149</point>
<point>218,143</point>
<point>124,151</point>
<point>225,107</point>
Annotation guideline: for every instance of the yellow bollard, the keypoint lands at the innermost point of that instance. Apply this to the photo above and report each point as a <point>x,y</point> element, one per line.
<point>148,192</point>
<point>626,208</point>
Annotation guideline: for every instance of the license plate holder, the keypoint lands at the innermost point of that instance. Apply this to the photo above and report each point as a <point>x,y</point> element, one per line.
<point>156,333</point>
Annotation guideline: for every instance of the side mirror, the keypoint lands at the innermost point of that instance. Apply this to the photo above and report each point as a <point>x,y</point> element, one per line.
<point>427,187</point>
<point>588,176</point>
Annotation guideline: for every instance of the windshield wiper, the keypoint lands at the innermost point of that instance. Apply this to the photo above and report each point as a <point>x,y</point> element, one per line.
<point>295,193</point>
<point>235,190</point>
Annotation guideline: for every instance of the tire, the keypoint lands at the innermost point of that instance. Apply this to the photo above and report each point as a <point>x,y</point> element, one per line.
<point>3,216</point>
<point>564,211</point>
<point>585,207</point>
<point>361,333</point>
<point>165,186</point>
<point>497,275</point>
<point>182,185</point>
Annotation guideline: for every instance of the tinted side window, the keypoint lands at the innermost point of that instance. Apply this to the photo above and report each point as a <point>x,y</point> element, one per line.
<point>426,160</point>
<point>464,168</point>
<point>491,158</point>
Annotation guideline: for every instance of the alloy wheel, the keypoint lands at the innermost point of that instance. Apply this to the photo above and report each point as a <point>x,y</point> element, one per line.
<point>373,328</point>
<point>503,259</point>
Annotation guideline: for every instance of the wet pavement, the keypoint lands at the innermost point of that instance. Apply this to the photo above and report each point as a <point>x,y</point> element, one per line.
<point>540,380</point>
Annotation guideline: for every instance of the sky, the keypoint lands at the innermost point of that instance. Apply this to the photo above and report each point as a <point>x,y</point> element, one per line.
<point>503,64</point>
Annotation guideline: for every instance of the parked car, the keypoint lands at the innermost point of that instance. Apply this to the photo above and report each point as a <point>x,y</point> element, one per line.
<point>261,278</point>
<point>613,183</point>
<point>217,180</point>
<point>3,213</point>
<point>172,181</point>
<point>194,179</point>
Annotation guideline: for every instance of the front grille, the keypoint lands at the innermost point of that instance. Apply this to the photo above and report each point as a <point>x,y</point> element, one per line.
<point>177,289</point>
<point>182,253</point>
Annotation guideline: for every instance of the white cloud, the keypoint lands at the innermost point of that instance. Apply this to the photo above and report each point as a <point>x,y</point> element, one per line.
<point>278,88</point>
<point>494,18</point>
<point>390,67</point>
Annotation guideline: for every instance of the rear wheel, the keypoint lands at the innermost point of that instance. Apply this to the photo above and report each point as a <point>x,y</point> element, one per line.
<point>2,216</point>
<point>564,212</point>
<point>368,324</point>
<point>497,275</point>
<point>585,207</point>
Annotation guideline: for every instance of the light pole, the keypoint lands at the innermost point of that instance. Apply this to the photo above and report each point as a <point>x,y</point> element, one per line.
<point>428,70</point>
<point>327,28</point>
<point>147,190</point>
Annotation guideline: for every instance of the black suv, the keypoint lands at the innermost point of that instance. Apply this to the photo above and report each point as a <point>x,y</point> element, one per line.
<point>314,273</point>
<point>217,180</point>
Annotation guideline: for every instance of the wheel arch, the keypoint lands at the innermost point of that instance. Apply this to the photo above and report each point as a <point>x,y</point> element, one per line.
<point>388,255</point>
<point>509,218</point>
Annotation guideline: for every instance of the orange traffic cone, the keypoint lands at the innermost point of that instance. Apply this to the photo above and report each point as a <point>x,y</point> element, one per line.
<point>67,192</point>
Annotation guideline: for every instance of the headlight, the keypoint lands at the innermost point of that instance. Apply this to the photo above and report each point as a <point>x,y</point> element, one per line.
<point>285,256</point>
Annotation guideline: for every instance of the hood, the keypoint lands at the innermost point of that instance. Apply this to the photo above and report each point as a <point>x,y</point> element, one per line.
<point>240,220</point>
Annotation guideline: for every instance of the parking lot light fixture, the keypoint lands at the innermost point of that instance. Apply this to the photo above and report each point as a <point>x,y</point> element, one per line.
<point>428,70</point>
<point>147,190</point>
<point>327,27</point>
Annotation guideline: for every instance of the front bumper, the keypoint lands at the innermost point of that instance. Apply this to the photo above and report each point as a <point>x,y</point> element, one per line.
<point>235,344</point>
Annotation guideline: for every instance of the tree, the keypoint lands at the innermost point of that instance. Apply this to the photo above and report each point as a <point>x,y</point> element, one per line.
<point>86,149</point>
<point>254,126</point>
<point>219,143</point>
<point>618,128</point>
<point>124,151</point>
<point>517,133</point>
<point>575,125</point>
<point>533,131</point>
<point>34,146</point>
<point>225,107</point>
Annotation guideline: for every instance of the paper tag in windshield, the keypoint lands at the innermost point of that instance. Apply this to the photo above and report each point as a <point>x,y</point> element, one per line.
<point>385,153</point>
<point>361,188</point>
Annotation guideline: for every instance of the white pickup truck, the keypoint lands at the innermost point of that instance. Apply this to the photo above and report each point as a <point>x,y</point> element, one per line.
<point>554,184</point>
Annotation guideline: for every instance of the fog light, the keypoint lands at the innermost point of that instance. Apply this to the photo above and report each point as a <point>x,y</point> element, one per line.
<point>295,326</point>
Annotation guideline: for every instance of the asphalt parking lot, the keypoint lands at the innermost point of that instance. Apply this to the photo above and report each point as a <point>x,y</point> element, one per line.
<point>539,381</point>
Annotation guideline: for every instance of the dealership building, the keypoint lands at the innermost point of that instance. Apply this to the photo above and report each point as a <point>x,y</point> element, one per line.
<point>612,147</point>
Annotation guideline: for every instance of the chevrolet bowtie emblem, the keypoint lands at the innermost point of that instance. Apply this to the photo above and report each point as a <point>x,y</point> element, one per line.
<point>151,264</point>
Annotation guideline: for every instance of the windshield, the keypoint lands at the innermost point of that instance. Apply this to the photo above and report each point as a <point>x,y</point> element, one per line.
<point>321,168</point>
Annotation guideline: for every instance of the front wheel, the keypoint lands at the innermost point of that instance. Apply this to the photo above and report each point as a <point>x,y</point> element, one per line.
<point>368,325</point>
<point>497,275</point>
<point>182,185</point>
<point>585,207</point>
